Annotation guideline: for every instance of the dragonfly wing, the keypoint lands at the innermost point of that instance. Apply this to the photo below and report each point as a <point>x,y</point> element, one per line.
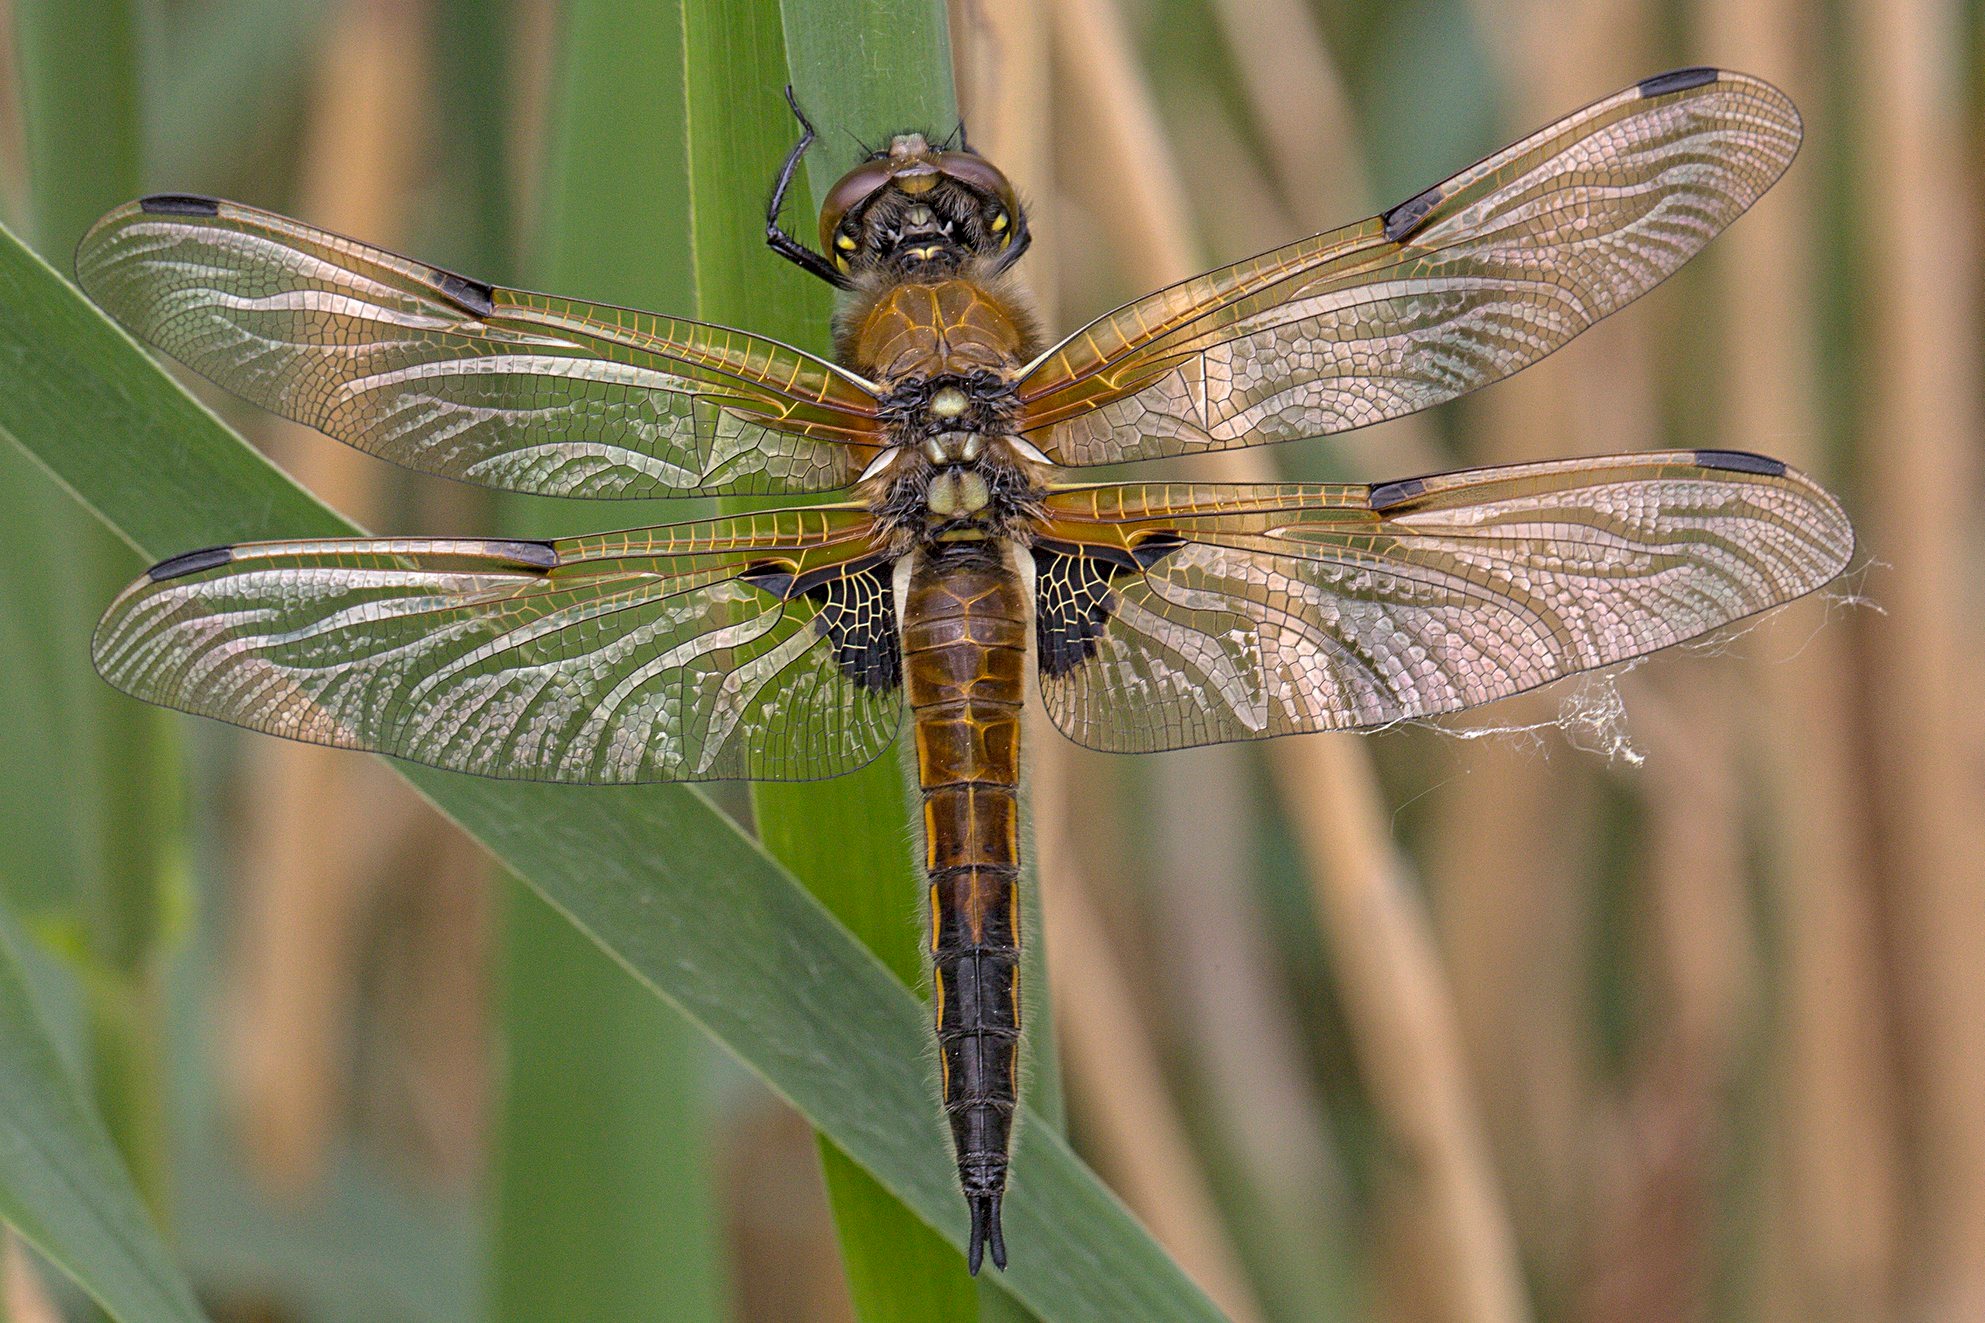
<point>1185,614</point>
<point>760,646</point>
<point>1460,286</point>
<point>451,376</point>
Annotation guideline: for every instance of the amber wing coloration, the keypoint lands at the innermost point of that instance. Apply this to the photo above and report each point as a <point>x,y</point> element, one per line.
<point>1183,614</point>
<point>761,646</point>
<point>1457,287</point>
<point>452,376</point>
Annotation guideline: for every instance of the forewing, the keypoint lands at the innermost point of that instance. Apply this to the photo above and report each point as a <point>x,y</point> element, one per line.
<point>1460,286</point>
<point>1178,615</point>
<point>451,376</point>
<point>760,646</point>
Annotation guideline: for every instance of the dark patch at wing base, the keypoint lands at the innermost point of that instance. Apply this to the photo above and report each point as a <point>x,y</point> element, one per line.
<point>1072,596</point>
<point>857,614</point>
<point>190,562</point>
<point>858,618</point>
<point>1676,80</point>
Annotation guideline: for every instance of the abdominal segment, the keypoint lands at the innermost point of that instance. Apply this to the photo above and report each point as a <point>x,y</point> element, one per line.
<point>964,653</point>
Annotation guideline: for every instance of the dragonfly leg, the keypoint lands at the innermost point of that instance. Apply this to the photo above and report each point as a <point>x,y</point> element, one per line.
<point>785,245</point>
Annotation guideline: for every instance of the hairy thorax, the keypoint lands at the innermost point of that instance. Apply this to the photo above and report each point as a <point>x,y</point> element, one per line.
<point>946,349</point>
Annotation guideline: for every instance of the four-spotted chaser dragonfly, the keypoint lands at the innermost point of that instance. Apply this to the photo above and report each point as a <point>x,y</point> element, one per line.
<point>787,644</point>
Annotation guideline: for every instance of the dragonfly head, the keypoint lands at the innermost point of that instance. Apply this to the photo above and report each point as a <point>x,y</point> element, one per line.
<point>915,209</point>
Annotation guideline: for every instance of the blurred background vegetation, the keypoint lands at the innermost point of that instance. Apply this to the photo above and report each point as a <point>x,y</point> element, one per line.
<point>1660,996</point>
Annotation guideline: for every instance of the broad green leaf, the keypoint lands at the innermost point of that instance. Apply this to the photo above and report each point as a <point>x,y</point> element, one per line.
<point>112,770</point>
<point>654,874</point>
<point>61,1184</point>
<point>604,1204</point>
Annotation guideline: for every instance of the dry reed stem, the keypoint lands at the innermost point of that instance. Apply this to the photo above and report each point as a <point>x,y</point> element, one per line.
<point>24,1296</point>
<point>1516,835</point>
<point>303,895</point>
<point>1838,1192</point>
<point>1005,73</point>
<point>1599,395</point>
<point>1260,1090</point>
<point>1114,1070</point>
<point>785,1261</point>
<point>1381,947</point>
<point>1914,193</point>
<point>1652,1253</point>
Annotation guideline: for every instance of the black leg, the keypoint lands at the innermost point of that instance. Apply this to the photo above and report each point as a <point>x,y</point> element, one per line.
<point>776,238</point>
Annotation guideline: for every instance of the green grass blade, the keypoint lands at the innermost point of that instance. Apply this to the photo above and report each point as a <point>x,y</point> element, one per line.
<point>670,887</point>
<point>115,770</point>
<point>606,1209</point>
<point>61,1183</point>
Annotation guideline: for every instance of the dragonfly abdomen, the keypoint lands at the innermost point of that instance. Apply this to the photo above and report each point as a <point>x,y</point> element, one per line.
<point>965,621</point>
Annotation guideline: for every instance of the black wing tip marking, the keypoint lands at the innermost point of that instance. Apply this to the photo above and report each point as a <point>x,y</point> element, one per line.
<point>190,562</point>
<point>179,204</point>
<point>535,555</point>
<point>1408,216</point>
<point>1740,461</point>
<point>1385,496</point>
<point>1678,80</point>
<point>472,295</point>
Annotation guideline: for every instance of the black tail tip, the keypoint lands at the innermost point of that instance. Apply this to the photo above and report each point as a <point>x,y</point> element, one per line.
<point>986,1238</point>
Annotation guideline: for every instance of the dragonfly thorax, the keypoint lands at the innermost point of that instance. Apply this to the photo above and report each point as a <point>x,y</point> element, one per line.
<point>956,484</point>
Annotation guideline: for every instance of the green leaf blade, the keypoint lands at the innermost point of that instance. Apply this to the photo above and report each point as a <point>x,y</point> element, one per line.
<point>61,1183</point>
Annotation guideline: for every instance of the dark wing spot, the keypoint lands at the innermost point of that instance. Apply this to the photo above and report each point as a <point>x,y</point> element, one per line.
<point>1740,461</point>
<point>857,613</point>
<point>1073,597</point>
<point>179,204</point>
<point>537,555</point>
<point>858,620</point>
<point>1676,80</point>
<point>1405,218</point>
<point>472,295</point>
<point>190,562</point>
<point>1388,495</point>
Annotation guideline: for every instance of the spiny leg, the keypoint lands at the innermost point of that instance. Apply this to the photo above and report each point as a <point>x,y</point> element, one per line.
<point>785,245</point>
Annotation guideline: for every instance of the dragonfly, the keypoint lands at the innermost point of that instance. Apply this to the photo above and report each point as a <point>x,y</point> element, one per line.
<point>788,644</point>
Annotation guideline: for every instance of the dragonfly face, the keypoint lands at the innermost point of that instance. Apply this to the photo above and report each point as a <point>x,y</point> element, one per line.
<point>915,209</point>
<point>788,644</point>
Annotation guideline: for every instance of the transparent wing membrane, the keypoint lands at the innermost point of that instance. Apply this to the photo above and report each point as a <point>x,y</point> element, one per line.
<point>1460,286</point>
<point>760,646</point>
<point>447,375</point>
<point>1182,614</point>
